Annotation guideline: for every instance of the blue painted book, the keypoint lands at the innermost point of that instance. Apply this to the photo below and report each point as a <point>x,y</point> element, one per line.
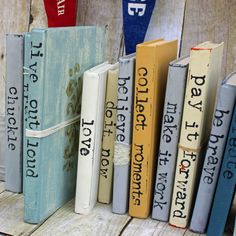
<point>225,189</point>
<point>214,153</point>
<point>54,62</point>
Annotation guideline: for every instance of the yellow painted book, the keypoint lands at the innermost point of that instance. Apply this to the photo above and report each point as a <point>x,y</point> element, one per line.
<point>152,60</point>
<point>201,88</point>
<point>108,142</point>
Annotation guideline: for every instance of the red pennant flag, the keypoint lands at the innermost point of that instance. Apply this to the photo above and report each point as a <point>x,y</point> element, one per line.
<point>60,12</point>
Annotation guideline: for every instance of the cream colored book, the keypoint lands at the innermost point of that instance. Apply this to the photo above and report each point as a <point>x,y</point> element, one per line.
<point>90,138</point>
<point>109,131</point>
<point>202,83</point>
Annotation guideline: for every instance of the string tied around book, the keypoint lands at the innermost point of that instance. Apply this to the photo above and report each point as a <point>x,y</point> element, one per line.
<point>51,130</point>
<point>122,154</point>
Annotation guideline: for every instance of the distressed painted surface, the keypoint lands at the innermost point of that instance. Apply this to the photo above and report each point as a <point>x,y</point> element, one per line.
<point>231,51</point>
<point>2,186</point>
<point>11,215</point>
<point>104,12</point>
<point>100,221</point>
<point>208,21</point>
<point>140,227</point>
<point>37,15</point>
<point>167,20</point>
<point>14,19</point>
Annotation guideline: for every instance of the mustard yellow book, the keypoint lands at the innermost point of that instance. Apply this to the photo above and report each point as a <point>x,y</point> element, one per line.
<point>201,88</point>
<point>109,131</point>
<point>152,60</point>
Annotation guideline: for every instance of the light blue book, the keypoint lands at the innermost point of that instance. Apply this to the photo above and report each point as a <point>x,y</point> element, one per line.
<point>225,189</point>
<point>54,62</point>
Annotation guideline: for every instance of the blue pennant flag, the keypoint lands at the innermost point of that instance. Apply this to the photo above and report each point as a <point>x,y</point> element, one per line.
<point>136,17</point>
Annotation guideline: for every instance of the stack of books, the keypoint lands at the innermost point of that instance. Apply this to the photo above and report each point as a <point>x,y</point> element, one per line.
<point>151,134</point>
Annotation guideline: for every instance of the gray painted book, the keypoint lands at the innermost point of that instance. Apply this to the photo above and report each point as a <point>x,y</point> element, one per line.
<point>214,154</point>
<point>14,99</point>
<point>123,134</point>
<point>2,148</point>
<point>171,121</point>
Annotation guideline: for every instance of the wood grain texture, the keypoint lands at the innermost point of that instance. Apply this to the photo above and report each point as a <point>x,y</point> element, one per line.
<point>231,50</point>
<point>141,227</point>
<point>190,233</point>
<point>11,215</point>
<point>101,221</point>
<point>2,186</point>
<point>167,20</point>
<point>38,16</point>
<point>207,21</point>
<point>104,13</point>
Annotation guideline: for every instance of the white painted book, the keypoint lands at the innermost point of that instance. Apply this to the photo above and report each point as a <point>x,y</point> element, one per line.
<point>90,138</point>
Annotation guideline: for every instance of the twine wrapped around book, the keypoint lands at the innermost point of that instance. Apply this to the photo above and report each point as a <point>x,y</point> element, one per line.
<point>51,130</point>
<point>122,154</point>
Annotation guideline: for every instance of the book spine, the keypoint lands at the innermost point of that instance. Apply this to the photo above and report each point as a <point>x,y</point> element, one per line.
<point>225,189</point>
<point>169,138</point>
<point>92,114</point>
<point>14,100</point>
<point>214,154</point>
<point>123,136</point>
<point>33,97</point>
<point>145,83</point>
<point>109,128</point>
<point>199,100</point>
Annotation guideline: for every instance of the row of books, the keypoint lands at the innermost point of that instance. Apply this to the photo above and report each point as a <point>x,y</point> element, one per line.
<point>148,115</point>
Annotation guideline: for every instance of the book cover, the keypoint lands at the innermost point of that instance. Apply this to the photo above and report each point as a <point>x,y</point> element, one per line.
<point>225,189</point>
<point>152,61</point>
<point>2,148</point>
<point>203,80</point>
<point>108,139</point>
<point>55,59</point>
<point>169,138</point>
<point>91,132</point>
<point>215,150</point>
<point>123,138</point>
<point>14,105</point>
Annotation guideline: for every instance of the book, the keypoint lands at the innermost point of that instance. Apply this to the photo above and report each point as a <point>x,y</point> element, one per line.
<point>14,113</point>
<point>152,60</point>
<point>123,137</point>
<point>108,139</point>
<point>199,102</point>
<point>225,189</point>
<point>215,150</point>
<point>55,60</point>
<point>91,132</point>
<point>169,138</point>
<point>2,148</point>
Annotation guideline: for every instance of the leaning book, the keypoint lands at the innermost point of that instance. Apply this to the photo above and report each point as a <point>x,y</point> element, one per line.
<point>171,121</point>
<point>199,102</point>
<point>152,61</point>
<point>54,62</point>
<point>215,150</point>
<point>225,190</point>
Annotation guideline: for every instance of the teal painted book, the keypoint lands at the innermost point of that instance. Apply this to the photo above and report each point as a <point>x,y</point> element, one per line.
<point>54,62</point>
